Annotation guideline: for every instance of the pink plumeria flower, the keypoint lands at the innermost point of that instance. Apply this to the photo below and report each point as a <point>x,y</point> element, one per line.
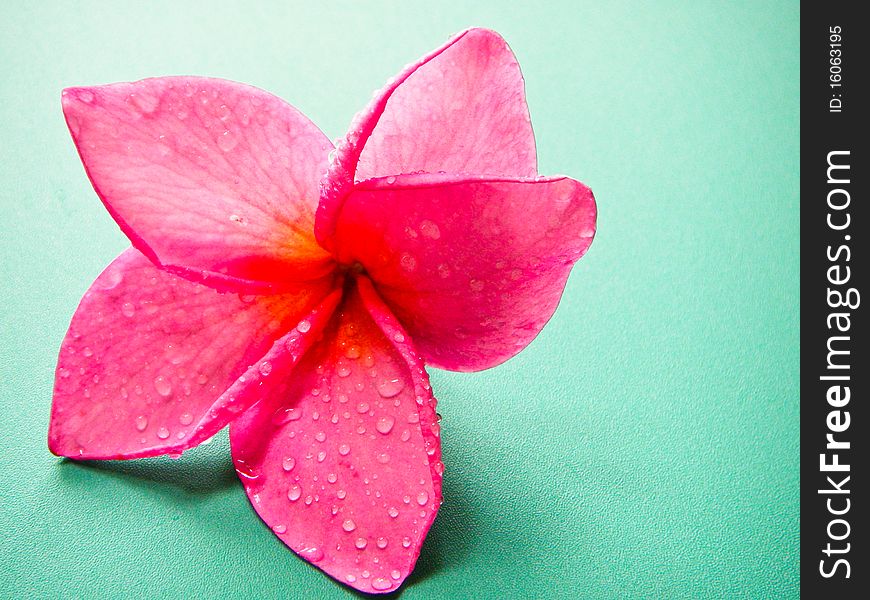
<point>301,311</point>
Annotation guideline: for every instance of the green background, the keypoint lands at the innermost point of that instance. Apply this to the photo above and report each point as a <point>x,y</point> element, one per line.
<point>644,446</point>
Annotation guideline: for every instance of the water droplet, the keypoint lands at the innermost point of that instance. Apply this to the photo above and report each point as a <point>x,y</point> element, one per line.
<point>279,529</point>
<point>294,493</point>
<point>352,352</point>
<point>350,577</point>
<point>320,436</point>
<point>227,141</point>
<point>382,542</point>
<point>360,542</point>
<point>146,103</point>
<point>381,584</point>
<point>385,424</point>
<point>128,310</point>
<point>383,458</point>
<point>340,494</point>
<point>422,498</point>
<point>391,180</point>
<point>399,337</point>
<point>332,478</point>
<point>414,418</point>
<point>406,499</point>
<point>344,449</point>
<point>202,378</point>
<point>163,433</point>
<point>88,352</point>
<point>362,407</point>
<point>308,500</point>
<point>285,415</point>
<point>321,456</point>
<point>348,525</point>
<point>406,542</point>
<point>288,463</point>
<point>390,387</point>
<point>311,554</point>
<point>141,422</point>
<point>304,326</point>
<point>430,230</point>
<point>265,368</point>
<point>185,418</point>
<point>408,262</point>
<point>343,369</point>
<point>162,385</point>
<point>64,373</point>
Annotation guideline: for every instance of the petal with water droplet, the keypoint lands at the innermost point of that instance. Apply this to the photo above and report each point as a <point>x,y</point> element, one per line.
<point>489,282</point>
<point>367,467</point>
<point>210,196</point>
<point>166,378</point>
<point>459,109</point>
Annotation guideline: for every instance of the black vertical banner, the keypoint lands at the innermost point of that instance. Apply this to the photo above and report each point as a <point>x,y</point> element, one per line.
<point>835,371</point>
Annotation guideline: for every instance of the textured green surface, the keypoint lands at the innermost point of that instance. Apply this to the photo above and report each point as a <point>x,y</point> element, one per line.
<point>645,445</point>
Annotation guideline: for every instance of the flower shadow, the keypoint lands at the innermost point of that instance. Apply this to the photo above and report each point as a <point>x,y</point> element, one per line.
<point>204,471</point>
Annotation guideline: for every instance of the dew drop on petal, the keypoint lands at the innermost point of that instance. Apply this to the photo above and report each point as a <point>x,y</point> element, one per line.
<point>285,415</point>
<point>227,141</point>
<point>430,230</point>
<point>279,529</point>
<point>265,368</point>
<point>385,424</point>
<point>304,326</point>
<point>162,385</point>
<point>294,493</point>
<point>393,512</point>
<point>163,433</point>
<point>390,387</point>
<point>288,463</point>
<point>141,422</point>
<point>408,262</point>
<point>381,584</point>
<point>348,525</point>
<point>422,498</point>
<point>185,418</point>
<point>341,494</point>
<point>406,542</point>
<point>360,543</point>
<point>344,449</point>
<point>382,542</point>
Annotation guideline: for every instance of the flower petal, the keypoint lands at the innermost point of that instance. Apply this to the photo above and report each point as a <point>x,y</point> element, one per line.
<point>472,267</point>
<point>210,178</point>
<point>343,460</point>
<point>154,364</point>
<point>460,109</point>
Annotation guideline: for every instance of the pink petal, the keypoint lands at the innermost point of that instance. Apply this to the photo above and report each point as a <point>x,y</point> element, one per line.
<point>472,267</point>
<point>343,461</point>
<point>460,109</point>
<point>154,364</point>
<point>210,178</point>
